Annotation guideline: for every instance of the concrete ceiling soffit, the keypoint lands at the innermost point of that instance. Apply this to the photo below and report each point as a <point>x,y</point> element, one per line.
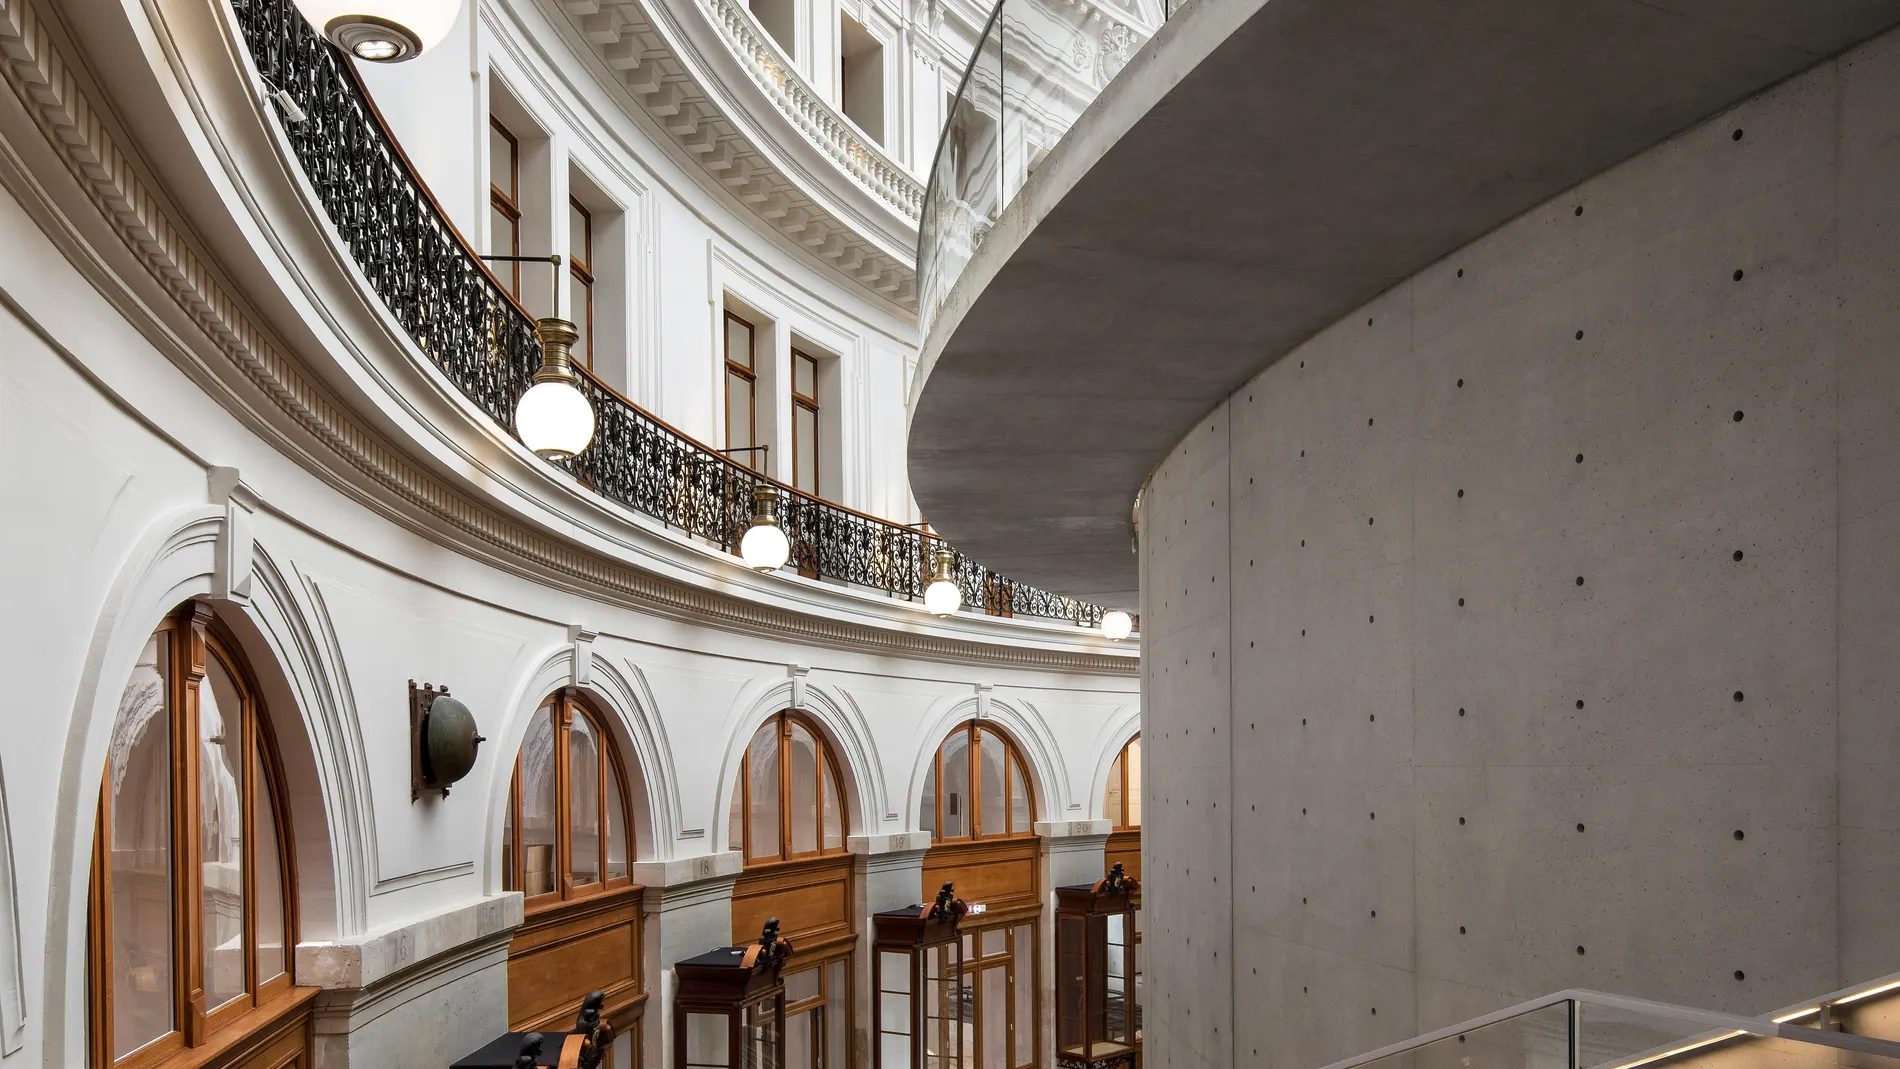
<point>1258,171</point>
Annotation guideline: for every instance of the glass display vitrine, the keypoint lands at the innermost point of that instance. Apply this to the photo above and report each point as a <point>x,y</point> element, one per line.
<point>917,973</point>
<point>729,1012</point>
<point>1098,1013</point>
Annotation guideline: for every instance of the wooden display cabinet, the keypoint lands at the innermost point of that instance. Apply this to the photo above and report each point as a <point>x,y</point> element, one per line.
<point>917,975</point>
<point>729,1012</point>
<point>1098,1012</point>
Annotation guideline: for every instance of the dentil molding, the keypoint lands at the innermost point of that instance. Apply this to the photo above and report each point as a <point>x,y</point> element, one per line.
<point>36,64</point>
<point>671,73</point>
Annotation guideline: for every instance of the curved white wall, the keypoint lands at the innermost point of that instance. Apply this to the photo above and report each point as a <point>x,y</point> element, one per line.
<point>683,246</point>
<point>111,445</point>
<point>1533,626</point>
<point>199,400</point>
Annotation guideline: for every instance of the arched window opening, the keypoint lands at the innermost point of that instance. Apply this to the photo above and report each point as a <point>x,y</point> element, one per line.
<point>1121,807</point>
<point>568,845</point>
<point>567,833</point>
<point>193,904</point>
<point>1121,802</point>
<point>788,802</point>
<point>977,787</point>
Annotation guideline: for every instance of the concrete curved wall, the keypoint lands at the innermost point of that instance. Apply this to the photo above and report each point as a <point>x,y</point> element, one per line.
<point>1534,625</point>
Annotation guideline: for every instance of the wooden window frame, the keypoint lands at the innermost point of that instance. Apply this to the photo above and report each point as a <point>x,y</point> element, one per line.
<point>508,203</point>
<point>827,766</point>
<point>1012,756</point>
<point>1121,762</point>
<point>193,637</point>
<point>750,376</point>
<point>808,402</point>
<point>581,269</point>
<point>563,705</point>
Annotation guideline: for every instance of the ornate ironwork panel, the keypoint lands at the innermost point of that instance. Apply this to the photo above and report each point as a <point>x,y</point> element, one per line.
<point>484,343</point>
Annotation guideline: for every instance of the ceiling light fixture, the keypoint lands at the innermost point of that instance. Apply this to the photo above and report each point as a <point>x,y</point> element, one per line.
<point>382,31</point>
<point>764,546</point>
<point>942,596</point>
<point>553,418</point>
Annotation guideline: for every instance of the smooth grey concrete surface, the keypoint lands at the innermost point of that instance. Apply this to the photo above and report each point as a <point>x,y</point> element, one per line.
<point>1219,209</point>
<point>1403,766</point>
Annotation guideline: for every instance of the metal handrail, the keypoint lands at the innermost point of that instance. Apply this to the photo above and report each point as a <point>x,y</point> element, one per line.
<point>1720,1026</point>
<point>459,315</point>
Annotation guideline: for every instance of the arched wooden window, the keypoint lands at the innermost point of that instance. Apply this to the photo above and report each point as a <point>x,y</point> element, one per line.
<point>193,908</point>
<point>568,845</point>
<point>1121,803</point>
<point>977,787</point>
<point>566,833</point>
<point>788,802</point>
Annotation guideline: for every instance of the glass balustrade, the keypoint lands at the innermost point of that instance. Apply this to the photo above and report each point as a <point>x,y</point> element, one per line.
<point>1591,1030</point>
<point>1036,67</point>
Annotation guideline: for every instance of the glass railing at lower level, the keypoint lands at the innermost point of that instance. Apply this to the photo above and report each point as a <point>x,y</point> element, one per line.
<point>1593,1030</point>
<point>1036,67</point>
<point>485,343</point>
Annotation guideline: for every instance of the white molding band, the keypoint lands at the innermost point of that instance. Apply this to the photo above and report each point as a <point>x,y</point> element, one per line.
<point>38,72</point>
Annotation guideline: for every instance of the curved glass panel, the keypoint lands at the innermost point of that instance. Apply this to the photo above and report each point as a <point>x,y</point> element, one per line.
<point>834,813</point>
<point>616,825</point>
<point>992,774</point>
<point>802,752</point>
<point>1021,813</point>
<point>270,885</point>
<point>221,829</point>
<point>762,766</point>
<point>508,839</point>
<point>1029,79</point>
<point>1133,754</point>
<point>927,805</point>
<point>139,864</point>
<point>583,800</point>
<point>735,816</point>
<point>956,784</point>
<point>539,814</point>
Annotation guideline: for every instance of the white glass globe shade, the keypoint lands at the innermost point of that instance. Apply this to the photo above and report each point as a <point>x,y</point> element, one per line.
<point>764,547</point>
<point>942,597</point>
<point>382,31</point>
<point>1117,624</point>
<point>555,420</point>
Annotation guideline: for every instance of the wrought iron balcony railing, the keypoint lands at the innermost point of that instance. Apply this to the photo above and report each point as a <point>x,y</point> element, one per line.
<point>458,314</point>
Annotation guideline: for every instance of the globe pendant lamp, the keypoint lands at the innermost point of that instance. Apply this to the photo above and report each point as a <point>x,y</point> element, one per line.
<point>553,418</point>
<point>1117,625</point>
<point>764,546</point>
<point>382,31</point>
<point>942,596</point>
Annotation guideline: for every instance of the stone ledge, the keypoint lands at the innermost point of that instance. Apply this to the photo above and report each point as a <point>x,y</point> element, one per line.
<point>1073,829</point>
<point>363,960</point>
<point>905,842</point>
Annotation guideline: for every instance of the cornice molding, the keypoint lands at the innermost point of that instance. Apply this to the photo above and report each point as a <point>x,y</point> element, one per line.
<point>785,177</point>
<point>37,68</point>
